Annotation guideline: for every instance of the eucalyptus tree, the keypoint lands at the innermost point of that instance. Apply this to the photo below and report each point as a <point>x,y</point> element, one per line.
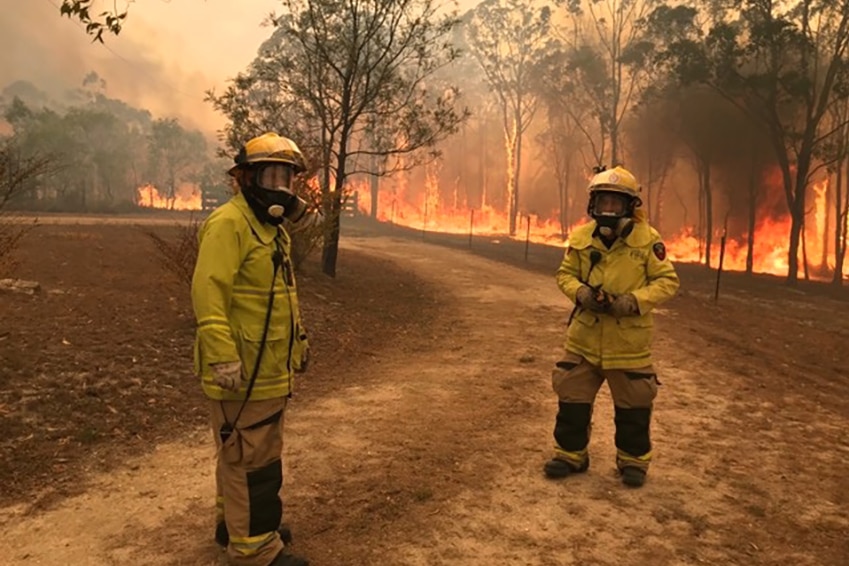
<point>355,79</point>
<point>109,21</point>
<point>607,63</point>
<point>782,63</point>
<point>561,138</point>
<point>175,155</point>
<point>509,39</point>
<point>838,149</point>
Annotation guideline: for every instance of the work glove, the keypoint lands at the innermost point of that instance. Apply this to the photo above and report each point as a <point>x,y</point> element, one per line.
<point>305,361</point>
<point>227,375</point>
<point>301,351</point>
<point>592,300</point>
<point>624,305</point>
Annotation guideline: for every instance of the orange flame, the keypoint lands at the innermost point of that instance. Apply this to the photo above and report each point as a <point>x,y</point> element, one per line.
<point>770,250</point>
<point>187,197</point>
<point>425,211</point>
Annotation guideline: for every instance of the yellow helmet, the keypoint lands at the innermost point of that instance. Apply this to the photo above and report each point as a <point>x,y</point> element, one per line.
<point>270,148</point>
<point>618,180</point>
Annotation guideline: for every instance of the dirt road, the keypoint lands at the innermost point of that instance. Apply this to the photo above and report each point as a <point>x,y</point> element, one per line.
<point>430,453</point>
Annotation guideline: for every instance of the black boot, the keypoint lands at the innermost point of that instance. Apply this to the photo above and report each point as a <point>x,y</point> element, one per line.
<point>286,559</point>
<point>633,477</point>
<point>222,537</point>
<point>557,468</point>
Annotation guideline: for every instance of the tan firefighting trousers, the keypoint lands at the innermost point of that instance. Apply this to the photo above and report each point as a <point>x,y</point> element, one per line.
<point>249,477</point>
<point>577,383</point>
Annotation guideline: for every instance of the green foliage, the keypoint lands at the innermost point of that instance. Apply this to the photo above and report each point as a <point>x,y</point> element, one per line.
<point>783,64</point>
<point>509,39</point>
<point>609,60</point>
<point>355,84</point>
<point>102,149</point>
<point>175,154</point>
<point>95,26</point>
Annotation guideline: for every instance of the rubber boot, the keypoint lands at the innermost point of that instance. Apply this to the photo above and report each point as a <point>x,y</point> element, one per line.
<point>633,477</point>
<point>557,468</point>
<point>286,559</point>
<point>222,537</point>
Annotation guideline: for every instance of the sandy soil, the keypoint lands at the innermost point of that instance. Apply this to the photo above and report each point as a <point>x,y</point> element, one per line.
<point>424,443</point>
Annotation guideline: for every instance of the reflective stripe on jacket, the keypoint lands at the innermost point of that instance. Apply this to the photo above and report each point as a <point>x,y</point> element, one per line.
<point>230,291</point>
<point>637,264</point>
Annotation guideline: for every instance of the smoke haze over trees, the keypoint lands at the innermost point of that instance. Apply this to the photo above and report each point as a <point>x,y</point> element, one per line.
<point>102,150</point>
<point>733,115</point>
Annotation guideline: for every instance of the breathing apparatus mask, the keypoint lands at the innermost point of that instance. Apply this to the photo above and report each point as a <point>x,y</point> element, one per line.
<point>266,167</point>
<point>614,195</point>
<point>268,189</point>
<point>613,212</point>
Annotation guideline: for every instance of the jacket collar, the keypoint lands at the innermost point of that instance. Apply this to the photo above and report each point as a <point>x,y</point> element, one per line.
<point>585,236</point>
<point>265,232</point>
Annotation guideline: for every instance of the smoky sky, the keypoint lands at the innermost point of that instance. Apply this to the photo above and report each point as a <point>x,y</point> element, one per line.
<point>167,56</point>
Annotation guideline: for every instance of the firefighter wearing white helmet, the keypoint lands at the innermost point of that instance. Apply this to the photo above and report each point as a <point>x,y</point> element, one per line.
<point>616,271</point>
<point>250,342</point>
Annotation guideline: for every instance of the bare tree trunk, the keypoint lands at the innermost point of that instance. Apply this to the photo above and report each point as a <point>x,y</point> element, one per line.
<point>374,185</point>
<point>752,217</point>
<point>701,224</point>
<point>461,170</point>
<point>793,257</point>
<point>648,199</point>
<point>708,215</point>
<point>805,252</point>
<point>659,198</point>
<point>844,242</point>
<point>516,174</point>
<point>657,217</point>
<point>564,199</point>
<point>797,224</point>
<point>330,249</point>
<point>796,203</point>
<point>841,210</point>
<point>826,239</point>
<point>512,139</point>
<point>482,163</point>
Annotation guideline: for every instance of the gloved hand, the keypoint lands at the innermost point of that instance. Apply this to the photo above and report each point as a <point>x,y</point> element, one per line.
<point>591,300</point>
<point>301,350</point>
<point>228,375</point>
<point>305,361</point>
<point>624,305</point>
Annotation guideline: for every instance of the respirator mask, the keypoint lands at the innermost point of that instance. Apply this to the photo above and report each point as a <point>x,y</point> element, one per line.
<point>269,193</point>
<point>613,212</point>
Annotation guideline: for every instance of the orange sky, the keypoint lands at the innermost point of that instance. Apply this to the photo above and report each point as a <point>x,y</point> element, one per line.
<point>168,55</point>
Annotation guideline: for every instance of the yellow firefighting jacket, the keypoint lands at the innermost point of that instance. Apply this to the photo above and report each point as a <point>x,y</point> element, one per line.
<point>637,264</point>
<point>230,292</point>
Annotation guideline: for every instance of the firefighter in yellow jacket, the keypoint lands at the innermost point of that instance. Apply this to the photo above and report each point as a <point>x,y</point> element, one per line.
<point>616,271</point>
<point>250,343</point>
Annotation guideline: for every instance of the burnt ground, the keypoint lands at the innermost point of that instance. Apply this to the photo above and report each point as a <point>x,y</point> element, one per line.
<point>96,366</point>
<point>418,434</point>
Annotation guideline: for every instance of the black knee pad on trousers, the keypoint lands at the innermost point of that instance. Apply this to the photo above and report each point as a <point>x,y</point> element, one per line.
<point>571,430</point>
<point>632,430</point>
<point>266,509</point>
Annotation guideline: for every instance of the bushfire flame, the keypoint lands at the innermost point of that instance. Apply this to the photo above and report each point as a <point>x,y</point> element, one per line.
<point>770,246</point>
<point>424,211</point>
<point>185,198</point>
